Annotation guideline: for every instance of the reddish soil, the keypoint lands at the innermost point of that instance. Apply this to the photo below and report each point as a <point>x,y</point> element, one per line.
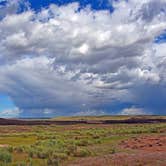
<point>142,151</point>
<point>146,143</point>
<point>15,129</point>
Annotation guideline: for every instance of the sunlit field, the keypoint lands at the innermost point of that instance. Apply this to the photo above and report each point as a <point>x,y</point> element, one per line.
<point>42,145</point>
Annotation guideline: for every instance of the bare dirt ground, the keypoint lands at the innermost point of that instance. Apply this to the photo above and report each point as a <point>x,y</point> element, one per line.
<point>14,129</point>
<point>146,143</point>
<point>141,151</point>
<point>3,145</point>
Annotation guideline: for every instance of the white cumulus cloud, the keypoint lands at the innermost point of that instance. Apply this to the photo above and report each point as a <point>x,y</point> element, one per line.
<point>60,58</point>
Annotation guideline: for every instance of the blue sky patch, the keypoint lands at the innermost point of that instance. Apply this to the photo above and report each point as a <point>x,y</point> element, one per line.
<point>6,103</point>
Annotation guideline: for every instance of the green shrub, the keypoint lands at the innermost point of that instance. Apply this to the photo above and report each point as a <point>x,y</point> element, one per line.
<point>42,154</point>
<point>153,130</point>
<point>59,156</point>
<point>10,149</point>
<point>98,141</point>
<point>82,153</point>
<point>113,151</point>
<point>71,149</point>
<point>52,162</point>
<point>95,136</point>
<point>82,143</point>
<point>19,149</point>
<point>22,164</point>
<point>32,153</point>
<point>56,158</point>
<point>5,156</point>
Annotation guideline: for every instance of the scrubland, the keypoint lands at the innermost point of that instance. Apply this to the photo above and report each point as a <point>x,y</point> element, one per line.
<point>80,144</point>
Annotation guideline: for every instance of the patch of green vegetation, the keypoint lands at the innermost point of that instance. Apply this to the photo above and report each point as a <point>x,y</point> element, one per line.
<point>5,156</point>
<point>17,140</point>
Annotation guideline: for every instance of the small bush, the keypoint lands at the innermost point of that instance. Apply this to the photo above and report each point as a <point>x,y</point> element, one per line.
<point>95,136</point>
<point>59,156</point>
<point>113,151</point>
<point>56,158</point>
<point>82,143</point>
<point>10,149</point>
<point>22,164</point>
<point>52,162</point>
<point>5,156</point>
<point>71,149</point>
<point>42,155</point>
<point>19,149</point>
<point>32,153</point>
<point>82,153</point>
<point>153,130</point>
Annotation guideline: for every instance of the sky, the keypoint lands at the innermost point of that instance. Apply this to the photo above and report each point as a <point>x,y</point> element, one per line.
<point>82,57</point>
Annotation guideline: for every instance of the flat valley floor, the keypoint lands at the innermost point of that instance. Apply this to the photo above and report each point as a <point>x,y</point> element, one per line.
<point>83,145</point>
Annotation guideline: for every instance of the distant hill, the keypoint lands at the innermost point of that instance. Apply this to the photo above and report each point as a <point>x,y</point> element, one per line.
<point>109,117</point>
<point>85,120</point>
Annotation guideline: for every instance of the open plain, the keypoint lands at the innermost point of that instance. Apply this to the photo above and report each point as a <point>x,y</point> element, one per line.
<point>84,141</point>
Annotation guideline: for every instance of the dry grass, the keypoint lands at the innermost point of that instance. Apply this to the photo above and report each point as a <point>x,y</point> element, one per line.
<point>46,145</point>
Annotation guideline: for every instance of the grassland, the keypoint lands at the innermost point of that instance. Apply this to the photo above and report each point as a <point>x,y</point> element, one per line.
<point>42,145</point>
<point>107,117</point>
